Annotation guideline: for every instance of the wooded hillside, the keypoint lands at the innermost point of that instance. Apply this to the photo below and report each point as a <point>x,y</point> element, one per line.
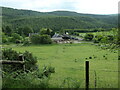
<point>56,20</point>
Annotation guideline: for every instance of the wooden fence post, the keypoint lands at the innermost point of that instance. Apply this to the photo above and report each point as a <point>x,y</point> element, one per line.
<point>87,74</point>
<point>21,58</point>
<point>95,79</point>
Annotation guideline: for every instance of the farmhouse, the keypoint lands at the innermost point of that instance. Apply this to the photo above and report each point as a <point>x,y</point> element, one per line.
<point>57,38</point>
<point>61,38</point>
<point>65,39</point>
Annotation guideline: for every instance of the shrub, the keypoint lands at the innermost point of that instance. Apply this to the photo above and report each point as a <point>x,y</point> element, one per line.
<point>104,40</point>
<point>26,41</point>
<point>30,61</point>
<point>97,38</point>
<point>41,39</point>
<point>88,37</point>
<point>35,39</point>
<point>46,31</point>
<point>47,70</point>
<point>4,40</point>
<point>110,37</point>
<point>10,39</point>
<point>9,54</point>
<point>76,33</point>
<point>16,37</point>
<point>15,77</point>
<point>45,39</point>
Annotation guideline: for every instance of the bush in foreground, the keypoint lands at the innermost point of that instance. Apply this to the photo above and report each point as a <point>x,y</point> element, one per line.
<point>9,54</point>
<point>13,76</point>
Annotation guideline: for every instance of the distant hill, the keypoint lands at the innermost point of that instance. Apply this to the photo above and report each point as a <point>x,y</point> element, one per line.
<point>55,20</point>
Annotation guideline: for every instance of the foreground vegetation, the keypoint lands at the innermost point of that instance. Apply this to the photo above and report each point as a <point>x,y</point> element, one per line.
<point>69,62</point>
<point>24,74</point>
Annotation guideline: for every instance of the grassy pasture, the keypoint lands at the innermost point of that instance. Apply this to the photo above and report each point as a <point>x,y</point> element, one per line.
<point>112,32</point>
<point>69,62</point>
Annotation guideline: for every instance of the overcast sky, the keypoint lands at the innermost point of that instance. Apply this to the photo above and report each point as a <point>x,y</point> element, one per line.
<point>80,6</point>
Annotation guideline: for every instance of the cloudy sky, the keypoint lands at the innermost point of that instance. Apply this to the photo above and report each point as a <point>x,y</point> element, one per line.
<point>80,6</point>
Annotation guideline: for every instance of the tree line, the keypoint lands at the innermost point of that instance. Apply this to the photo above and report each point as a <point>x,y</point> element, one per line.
<point>26,35</point>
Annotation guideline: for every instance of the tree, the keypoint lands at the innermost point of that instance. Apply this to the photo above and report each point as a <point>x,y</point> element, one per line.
<point>4,38</point>
<point>8,31</point>
<point>20,31</point>
<point>26,41</point>
<point>43,31</point>
<point>62,31</point>
<point>46,31</point>
<point>24,31</point>
<point>45,39</point>
<point>35,39</point>
<point>16,37</point>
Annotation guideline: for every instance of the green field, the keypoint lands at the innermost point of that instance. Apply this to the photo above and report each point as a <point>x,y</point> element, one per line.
<point>112,32</point>
<point>69,62</point>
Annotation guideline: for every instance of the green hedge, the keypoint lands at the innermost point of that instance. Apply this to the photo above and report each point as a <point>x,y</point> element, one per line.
<point>40,39</point>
